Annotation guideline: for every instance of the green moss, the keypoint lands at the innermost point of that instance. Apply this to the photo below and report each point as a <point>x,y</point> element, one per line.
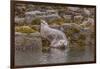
<point>24,29</point>
<point>78,21</point>
<point>93,35</point>
<point>45,49</point>
<point>58,21</point>
<point>81,42</point>
<point>45,45</point>
<point>36,21</point>
<point>71,31</point>
<point>78,39</point>
<point>68,21</point>
<point>35,28</point>
<point>75,30</point>
<point>82,37</point>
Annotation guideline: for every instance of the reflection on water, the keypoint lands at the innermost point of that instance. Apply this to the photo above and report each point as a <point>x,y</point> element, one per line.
<point>54,56</point>
<point>34,57</point>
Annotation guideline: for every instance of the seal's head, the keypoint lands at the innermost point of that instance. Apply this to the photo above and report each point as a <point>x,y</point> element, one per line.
<point>43,22</point>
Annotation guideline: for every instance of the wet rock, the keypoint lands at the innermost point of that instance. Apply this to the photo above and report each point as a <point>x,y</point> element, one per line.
<point>68,26</point>
<point>19,20</point>
<point>48,14</point>
<point>25,41</point>
<point>78,35</point>
<point>73,8</point>
<point>86,12</point>
<point>30,16</point>
<point>89,21</point>
<point>78,19</point>
<point>68,18</point>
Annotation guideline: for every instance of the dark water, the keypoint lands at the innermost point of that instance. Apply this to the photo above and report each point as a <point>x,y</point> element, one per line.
<point>73,54</point>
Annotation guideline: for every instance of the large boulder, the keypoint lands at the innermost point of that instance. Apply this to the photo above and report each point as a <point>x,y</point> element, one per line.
<point>28,48</point>
<point>24,41</point>
<point>78,35</point>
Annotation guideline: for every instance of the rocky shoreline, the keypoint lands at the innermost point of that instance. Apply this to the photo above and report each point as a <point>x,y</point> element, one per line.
<point>76,35</point>
<point>78,23</point>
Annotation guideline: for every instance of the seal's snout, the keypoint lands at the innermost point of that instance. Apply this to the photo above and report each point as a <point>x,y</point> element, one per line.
<point>44,22</point>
